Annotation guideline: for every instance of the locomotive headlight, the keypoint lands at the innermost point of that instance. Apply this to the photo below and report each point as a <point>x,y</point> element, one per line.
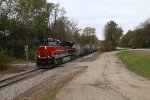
<point>45,47</point>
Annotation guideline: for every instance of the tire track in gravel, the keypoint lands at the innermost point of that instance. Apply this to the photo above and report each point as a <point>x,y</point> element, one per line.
<point>106,79</point>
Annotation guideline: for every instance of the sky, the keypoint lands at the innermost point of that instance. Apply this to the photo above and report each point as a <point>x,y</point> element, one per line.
<point>128,14</point>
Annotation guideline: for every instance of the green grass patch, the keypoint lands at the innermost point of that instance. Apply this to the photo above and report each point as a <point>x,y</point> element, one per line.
<point>137,61</point>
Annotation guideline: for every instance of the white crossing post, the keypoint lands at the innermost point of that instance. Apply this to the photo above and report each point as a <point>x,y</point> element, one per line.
<point>26,52</point>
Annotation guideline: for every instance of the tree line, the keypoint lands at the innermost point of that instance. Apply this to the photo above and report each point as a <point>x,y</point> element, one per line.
<point>26,22</point>
<point>139,37</point>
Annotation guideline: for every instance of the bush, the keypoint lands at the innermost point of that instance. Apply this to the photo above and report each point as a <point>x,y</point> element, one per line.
<point>4,60</point>
<point>32,54</point>
<point>106,46</point>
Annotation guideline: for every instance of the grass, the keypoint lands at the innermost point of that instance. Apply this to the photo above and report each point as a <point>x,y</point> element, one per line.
<point>137,61</point>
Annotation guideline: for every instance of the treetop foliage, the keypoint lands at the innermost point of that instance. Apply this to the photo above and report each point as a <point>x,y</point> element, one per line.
<point>112,33</point>
<point>139,37</point>
<point>25,22</point>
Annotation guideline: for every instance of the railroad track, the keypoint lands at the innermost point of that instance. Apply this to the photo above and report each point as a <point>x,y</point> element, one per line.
<point>22,76</point>
<point>19,77</point>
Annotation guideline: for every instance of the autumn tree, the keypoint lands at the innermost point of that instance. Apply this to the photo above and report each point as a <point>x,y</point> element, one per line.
<point>139,37</point>
<point>112,33</point>
<point>89,36</point>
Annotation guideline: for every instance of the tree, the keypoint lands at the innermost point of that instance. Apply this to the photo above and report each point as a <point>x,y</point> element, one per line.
<point>89,31</point>
<point>24,22</point>
<point>112,33</point>
<point>89,36</point>
<point>139,37</point>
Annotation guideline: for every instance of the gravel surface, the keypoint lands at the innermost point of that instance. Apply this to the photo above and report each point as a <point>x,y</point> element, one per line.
<point>17,89</point>
<point>4,75</point>
<point>106,79</point>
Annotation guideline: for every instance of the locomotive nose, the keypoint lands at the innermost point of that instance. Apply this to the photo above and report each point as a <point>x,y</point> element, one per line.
<point>43,51</point>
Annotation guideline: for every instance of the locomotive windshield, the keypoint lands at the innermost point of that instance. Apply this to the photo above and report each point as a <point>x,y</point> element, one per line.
<point>49,42</point>
<point>52,43</point>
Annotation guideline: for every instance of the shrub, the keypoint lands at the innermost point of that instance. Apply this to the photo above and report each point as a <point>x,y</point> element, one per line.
<point>106,46</point>
<point>4,60</point>
<point>32,54</point>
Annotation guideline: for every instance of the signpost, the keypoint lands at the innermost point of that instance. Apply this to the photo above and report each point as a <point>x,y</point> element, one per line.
<point>26,53</point>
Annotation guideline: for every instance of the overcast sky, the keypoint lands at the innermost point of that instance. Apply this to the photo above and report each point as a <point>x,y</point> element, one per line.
<point>96,13</point>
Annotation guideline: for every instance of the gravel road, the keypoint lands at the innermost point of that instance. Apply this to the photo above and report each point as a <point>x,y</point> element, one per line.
<point>18,91</point>
<point>106,79</point>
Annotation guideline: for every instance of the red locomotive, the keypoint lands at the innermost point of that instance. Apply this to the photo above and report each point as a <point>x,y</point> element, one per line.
<point>52,52</point>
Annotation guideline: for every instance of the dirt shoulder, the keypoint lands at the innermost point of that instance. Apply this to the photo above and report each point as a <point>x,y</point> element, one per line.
<point>106,78</point>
